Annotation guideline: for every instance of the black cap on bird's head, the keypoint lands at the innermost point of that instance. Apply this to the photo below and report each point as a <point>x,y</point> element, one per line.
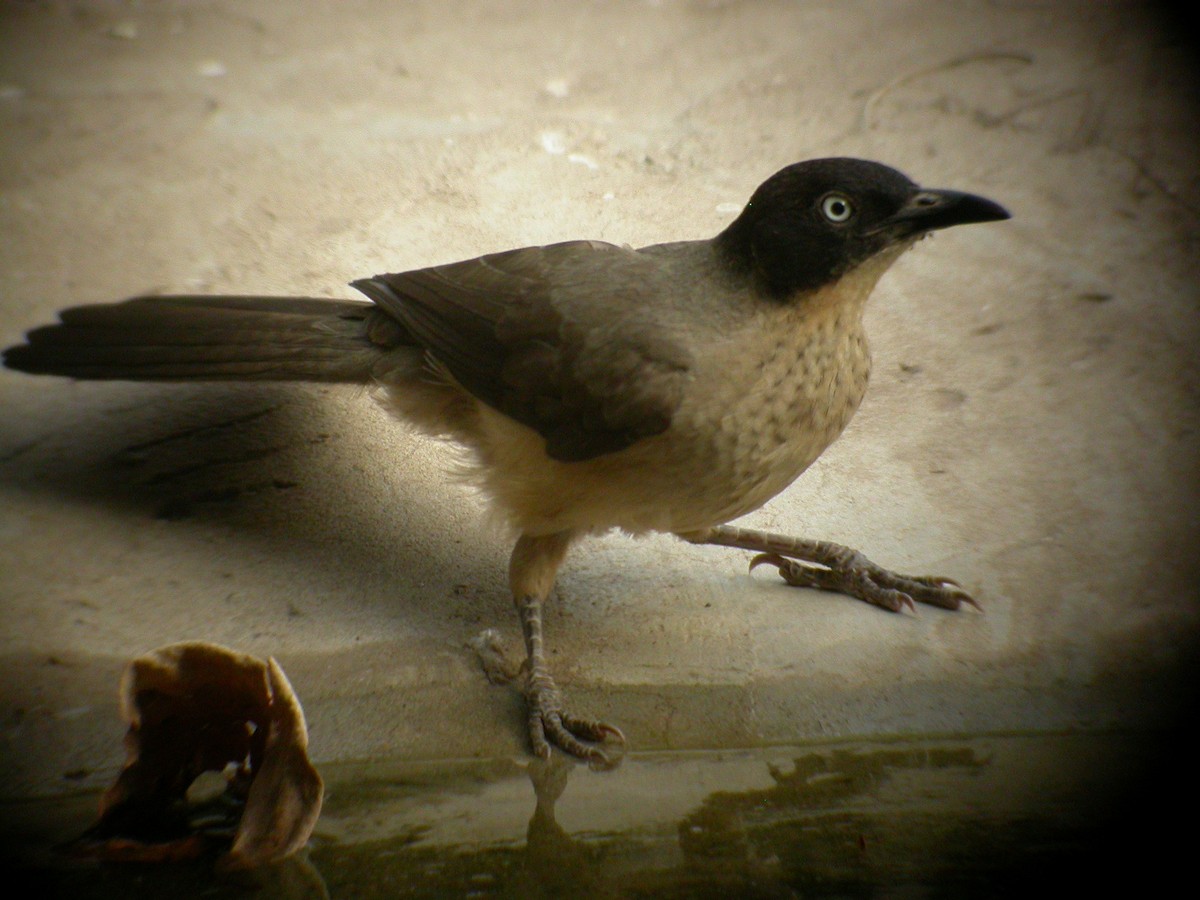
<point>809,224</point>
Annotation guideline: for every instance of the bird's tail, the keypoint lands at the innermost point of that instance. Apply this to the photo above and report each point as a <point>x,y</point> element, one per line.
<point>211,339</point>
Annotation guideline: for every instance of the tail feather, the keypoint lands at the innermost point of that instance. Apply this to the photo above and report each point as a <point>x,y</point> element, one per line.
<point>208,338</point>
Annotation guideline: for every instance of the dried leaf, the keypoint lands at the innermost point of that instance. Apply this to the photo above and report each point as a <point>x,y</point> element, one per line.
<point>285,796</point>
<point>196,707</point>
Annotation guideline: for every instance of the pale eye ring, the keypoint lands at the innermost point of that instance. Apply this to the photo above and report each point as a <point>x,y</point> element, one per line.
<point>837,208</point>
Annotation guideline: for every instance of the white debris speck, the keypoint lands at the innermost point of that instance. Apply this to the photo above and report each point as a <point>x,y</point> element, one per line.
<point>583,160</point>
<point>609,195</point>
<point>498,668</point>
<point>727,208</point>
<point>124,31</point>
<point>553,142</point>
<point>557,87</point>
<point>211,68</point>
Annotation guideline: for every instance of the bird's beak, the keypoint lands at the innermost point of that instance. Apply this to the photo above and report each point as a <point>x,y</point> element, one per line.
<point>929,210</point>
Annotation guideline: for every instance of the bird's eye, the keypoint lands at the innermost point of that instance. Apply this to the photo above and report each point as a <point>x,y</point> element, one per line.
<point>837,208</point>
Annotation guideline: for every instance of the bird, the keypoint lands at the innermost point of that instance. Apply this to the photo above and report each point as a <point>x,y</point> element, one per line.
<point>594,387</point>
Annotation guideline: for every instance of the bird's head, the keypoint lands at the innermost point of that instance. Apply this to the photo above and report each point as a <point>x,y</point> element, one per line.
<point>809,224</point>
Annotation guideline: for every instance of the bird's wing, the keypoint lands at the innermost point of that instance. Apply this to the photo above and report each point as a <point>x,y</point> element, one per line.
<point>560,338</point>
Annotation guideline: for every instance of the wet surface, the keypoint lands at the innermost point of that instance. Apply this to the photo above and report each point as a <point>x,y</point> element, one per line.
<point>979,817</point>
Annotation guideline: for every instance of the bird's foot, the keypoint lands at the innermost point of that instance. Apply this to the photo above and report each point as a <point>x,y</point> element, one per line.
<point>849,572</point>
<point>550,724</point>
<point>832,567</point>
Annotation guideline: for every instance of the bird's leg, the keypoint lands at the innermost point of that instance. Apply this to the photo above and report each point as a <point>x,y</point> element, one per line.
<point>534,563</point>
<point>832,567</point>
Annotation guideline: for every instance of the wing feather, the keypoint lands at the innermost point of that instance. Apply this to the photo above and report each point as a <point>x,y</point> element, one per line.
<point>561,338</point>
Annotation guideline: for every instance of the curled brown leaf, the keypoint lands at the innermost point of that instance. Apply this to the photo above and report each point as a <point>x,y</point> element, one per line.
<point>196,707</point>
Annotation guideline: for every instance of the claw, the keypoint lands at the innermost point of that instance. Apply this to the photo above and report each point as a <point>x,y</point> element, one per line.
<point>954,598</point>
<point>550,725</point>
<point>772,558</point>
<point>597,731</point>
<point>903,600</point>
<point>798,573</point>
<point>943,592</point>
<point>600,761</point>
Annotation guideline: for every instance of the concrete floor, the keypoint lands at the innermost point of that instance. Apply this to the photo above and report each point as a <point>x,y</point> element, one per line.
<point>1031,428</point>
